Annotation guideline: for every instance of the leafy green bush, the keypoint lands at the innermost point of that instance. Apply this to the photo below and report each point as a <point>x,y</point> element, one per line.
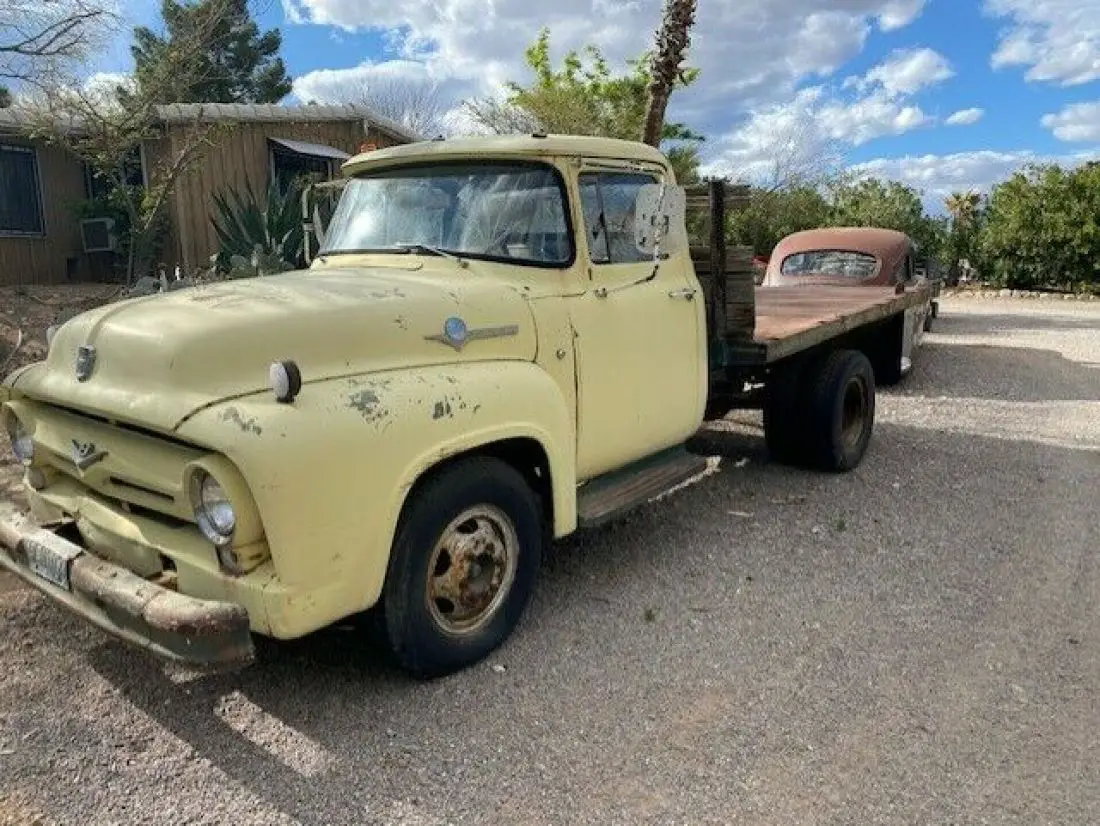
<point>265,235</point>
<point>1042,230</point>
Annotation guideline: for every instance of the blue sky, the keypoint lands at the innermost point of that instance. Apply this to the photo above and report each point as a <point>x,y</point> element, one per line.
<point>870,83</point>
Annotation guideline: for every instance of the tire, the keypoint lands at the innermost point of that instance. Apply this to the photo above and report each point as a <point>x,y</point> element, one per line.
<point>840,409</point>
<point>783,431</point>
<point>464,519</point>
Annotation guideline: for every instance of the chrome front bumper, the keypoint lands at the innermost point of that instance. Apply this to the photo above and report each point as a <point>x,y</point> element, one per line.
<point>204,634</point>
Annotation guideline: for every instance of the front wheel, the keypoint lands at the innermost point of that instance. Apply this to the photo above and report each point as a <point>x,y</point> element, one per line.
<point>463,566</point>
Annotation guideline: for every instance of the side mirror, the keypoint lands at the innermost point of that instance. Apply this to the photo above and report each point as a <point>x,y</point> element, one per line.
<point>659,219</point>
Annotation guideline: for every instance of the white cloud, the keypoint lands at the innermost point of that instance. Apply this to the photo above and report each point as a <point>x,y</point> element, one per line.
<point>900,13</point>
<point>965,117</point>
<point>751,52</point>
<point>818,122</point>
<point>940,175</point>
<point>907,71</point>
<point>1078,122</point>
<point>1058,40</point>
<point>872,117</point>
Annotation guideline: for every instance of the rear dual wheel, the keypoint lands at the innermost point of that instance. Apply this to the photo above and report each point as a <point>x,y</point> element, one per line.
<point>820,414</point>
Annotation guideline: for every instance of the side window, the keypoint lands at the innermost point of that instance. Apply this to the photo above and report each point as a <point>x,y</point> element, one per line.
<point>608,199</point>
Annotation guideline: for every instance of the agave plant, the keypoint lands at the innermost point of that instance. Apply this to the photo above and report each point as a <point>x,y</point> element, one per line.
<point>249,229</point>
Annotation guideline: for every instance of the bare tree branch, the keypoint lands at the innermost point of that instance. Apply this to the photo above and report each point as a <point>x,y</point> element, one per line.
<point>415,104</point>
<point>41,38</point>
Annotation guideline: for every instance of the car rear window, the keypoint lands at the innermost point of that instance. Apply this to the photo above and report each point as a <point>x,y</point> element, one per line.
<point>830,262</point>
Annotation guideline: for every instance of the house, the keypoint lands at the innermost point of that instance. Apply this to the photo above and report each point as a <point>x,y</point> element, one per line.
<point>44,190</point>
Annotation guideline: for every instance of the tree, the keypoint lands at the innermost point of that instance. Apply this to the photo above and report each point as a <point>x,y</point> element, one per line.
<point>771,215</point>
<point>584,97</point>
<point>415,104</point>
<point>5,97</point>
<point>673,39</point>
<point>39,39</point>
<point>964,208</point>
<point>107,126</point>
<point>888,204</point>
<point>1042,229</point>
<point>241,65</point>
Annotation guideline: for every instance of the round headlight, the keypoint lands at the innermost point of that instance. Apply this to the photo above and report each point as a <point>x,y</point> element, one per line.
<point>22,445</point>
<point>213,511</point>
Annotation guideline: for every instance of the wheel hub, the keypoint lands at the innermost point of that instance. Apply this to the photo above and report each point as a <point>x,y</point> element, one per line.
<point>471,569</point>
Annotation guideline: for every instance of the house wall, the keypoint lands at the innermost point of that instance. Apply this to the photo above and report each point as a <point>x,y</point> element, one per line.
<point>240,155</point>
<point>57,256</point>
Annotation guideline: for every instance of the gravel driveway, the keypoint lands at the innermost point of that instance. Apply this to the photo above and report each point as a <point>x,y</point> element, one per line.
<point>916,642</point>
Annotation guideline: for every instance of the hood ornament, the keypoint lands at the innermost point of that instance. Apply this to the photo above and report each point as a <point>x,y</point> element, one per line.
<point>85,362</point>
<point>85,455</point>
<point>456,334</point>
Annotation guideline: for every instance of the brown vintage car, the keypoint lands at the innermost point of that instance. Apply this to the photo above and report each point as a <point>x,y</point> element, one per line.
<point>856,256</point>
<point>866,256</point>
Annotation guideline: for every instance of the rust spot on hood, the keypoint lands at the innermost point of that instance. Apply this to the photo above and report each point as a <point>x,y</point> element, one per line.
<point>369,406</point>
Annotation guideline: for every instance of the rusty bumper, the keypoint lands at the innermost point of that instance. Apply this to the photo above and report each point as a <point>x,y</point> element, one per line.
<point>205,634</point>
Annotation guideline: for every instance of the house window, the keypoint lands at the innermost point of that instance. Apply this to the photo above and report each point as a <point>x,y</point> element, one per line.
<point>133,173</point>
<point>295,162</point>
<point>20,192</point>
<point>291,168</point>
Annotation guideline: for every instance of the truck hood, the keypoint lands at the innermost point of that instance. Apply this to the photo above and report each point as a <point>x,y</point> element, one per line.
<point>159,359</point>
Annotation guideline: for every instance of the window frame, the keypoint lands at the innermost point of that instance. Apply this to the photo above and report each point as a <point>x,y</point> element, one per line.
<point>559,182</point>
<point>40,192</point>
<point>598,173</point>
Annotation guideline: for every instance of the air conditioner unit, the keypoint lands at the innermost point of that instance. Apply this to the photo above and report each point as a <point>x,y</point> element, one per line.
<point>98,235</point>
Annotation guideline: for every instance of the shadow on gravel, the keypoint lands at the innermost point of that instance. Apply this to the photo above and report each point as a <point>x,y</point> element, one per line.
<point>1024,374</point>
<point>388,737</point>
<point>957,324</point>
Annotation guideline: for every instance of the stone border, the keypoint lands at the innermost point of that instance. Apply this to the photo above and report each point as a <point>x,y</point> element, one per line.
<point>1024,294</point>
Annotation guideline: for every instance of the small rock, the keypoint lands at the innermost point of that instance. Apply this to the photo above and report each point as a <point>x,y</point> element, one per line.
<point>498,668</point>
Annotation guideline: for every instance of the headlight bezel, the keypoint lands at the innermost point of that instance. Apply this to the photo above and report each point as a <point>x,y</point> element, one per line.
<point>207,493</point>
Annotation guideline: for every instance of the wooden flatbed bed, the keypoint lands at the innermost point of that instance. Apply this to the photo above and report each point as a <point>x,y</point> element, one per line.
<point>792,319</point>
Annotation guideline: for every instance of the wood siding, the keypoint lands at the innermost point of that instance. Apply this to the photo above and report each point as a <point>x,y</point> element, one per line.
<point>240,155</point>
<point>56,256</point>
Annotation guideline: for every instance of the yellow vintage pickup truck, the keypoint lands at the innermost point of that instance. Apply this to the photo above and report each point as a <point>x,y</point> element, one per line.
<point>500,341</point>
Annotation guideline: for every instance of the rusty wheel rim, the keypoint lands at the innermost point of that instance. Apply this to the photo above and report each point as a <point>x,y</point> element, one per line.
<point>472,568</point>
<point>854,412</point>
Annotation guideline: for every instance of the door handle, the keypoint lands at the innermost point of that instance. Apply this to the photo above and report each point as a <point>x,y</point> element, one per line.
<point>687,294</point>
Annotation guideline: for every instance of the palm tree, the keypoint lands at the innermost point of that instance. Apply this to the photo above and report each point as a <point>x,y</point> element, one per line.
<point>963,207</point>
<point>673,40</point>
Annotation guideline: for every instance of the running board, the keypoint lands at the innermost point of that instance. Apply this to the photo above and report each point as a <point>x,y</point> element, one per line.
<point>606,497</point>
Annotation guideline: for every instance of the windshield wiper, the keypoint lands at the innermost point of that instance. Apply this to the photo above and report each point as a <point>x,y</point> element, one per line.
<point>425,248</point>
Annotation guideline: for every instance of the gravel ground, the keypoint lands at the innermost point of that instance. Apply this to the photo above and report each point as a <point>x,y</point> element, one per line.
<point>915,642</point>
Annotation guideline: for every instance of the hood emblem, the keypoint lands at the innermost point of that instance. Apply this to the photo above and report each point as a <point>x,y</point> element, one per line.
<point>85,455</point>
<point>85,361</point>
<point>456,334</point>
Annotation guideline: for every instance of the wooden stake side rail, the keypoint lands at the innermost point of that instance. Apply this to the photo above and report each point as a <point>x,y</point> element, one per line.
<point>792,319</point>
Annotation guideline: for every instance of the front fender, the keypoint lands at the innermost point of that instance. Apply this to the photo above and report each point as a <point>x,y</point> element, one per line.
<point>331,471</point>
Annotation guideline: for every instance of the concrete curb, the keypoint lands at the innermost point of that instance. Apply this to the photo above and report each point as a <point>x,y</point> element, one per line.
<point>1018,294</point>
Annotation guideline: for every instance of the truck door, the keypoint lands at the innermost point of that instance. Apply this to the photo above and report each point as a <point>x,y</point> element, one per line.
<point>639,334</point>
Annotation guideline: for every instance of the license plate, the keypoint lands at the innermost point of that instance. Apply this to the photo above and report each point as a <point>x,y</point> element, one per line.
<point>50,561</point>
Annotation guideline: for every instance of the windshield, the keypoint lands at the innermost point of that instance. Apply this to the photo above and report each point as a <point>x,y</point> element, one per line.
<point>830,262</point>
<point>501,211</point>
